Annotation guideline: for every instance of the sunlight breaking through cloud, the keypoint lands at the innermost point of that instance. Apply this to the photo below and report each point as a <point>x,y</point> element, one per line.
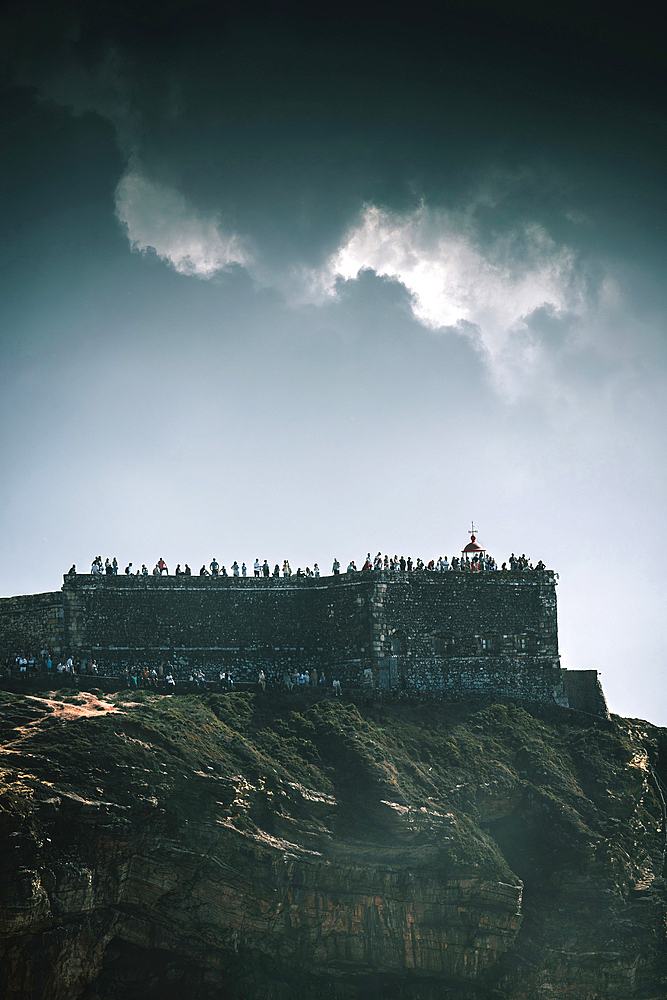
<point>159,217</point>
<point>486,293</point>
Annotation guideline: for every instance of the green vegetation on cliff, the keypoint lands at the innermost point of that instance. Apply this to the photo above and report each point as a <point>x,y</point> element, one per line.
<point>551,804</point>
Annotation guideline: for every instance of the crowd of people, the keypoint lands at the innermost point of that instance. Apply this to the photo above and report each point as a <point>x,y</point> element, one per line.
<point>479,562</point>
<point>159,677</point>
<point>301,680</point>
<point>162,677</point>
<point>25,663</point>
<point>466,563</point>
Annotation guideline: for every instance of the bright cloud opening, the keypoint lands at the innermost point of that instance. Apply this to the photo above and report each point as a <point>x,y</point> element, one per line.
<point>485,293</point>
<point>159,217</point>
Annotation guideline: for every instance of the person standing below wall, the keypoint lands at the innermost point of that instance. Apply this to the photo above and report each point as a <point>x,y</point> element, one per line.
<point>368,682</point>
<point>262,680</point>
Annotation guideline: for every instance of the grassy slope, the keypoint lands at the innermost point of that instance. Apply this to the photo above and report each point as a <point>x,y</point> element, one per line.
<point>530,794</point>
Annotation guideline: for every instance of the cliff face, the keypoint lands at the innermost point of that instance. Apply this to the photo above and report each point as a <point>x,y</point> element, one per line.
<point>270,846</point>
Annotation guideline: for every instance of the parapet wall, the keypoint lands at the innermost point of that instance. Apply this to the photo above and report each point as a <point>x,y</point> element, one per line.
<point>445,634</point>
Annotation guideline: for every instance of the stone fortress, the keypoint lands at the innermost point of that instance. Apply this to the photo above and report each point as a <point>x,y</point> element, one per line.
<point>449,635</point>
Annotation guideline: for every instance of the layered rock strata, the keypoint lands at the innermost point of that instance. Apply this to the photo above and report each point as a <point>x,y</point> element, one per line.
<point>250,846</point>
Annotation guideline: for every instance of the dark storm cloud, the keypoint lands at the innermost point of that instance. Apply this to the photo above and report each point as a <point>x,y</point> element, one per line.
<point>284,121</point>
<point>509,158</point>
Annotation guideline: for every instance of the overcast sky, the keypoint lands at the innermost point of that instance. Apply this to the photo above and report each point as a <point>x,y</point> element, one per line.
<point>288,283</point>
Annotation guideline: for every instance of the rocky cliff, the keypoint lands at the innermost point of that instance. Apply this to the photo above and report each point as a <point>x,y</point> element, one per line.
<point>274,846</point>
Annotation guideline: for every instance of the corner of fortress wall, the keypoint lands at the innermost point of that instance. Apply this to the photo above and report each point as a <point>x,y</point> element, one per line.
<point>444,635</point>
<point>32,622</point>
<point>584,692</point>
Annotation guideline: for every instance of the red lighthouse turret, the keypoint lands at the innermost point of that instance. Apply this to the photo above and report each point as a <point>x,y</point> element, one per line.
<point>472,548</point>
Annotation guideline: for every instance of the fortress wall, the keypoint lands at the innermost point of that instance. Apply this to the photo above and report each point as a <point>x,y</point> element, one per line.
<point>584,691</point>
<point>525,678</point>
<point>480,634</point>
<point>462,609</point>
<point>339,624</point>
<point>223,623</point>
<point>31,623</point>
<point>452,634</point>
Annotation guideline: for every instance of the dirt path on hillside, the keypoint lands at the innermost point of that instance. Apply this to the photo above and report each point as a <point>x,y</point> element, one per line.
<point>85,705</point>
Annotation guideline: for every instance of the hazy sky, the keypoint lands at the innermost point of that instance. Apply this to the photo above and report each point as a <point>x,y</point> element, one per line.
<point>299,283</point>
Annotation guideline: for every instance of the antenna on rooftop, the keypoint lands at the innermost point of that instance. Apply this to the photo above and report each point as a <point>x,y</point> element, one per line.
<point>472,531</point>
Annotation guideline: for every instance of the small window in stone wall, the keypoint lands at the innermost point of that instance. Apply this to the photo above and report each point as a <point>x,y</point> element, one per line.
<point>523,643</point>
<point>487,643</point>
<point>398,645</point>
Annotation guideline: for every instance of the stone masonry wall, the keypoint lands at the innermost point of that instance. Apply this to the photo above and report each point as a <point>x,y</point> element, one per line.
<point>31,623</point>
<point>451,634</point>
<point>227,623</point>
<point>584,691</point>
<point>481,633</point>
<point>421,628</point>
